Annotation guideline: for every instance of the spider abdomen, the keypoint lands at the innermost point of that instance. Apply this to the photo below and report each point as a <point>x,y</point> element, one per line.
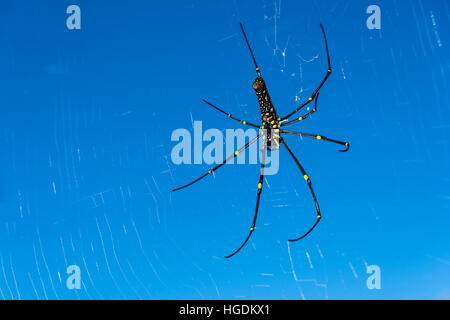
<point>268,113</point>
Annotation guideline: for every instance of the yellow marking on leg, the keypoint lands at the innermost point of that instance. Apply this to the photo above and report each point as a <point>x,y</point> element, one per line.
<point>251,229</point>
<point>244,122</point>
<point>260,185</point>
<point>306,177</point>
<point>276,141</point>
<point>300,118</point>
<point>236,153</point>
<point>319,138</point>
<point>310,98</point>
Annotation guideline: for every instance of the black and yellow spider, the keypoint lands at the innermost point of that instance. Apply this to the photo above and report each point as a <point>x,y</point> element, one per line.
<point>271,127</point>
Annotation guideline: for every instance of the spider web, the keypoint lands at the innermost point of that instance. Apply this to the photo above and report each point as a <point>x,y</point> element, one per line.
<point>86,168</point>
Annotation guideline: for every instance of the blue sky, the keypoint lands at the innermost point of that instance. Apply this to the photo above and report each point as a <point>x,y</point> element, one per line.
<point>86,173</point>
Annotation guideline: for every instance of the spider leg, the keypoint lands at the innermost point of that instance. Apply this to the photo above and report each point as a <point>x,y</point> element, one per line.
<point>319,137</point>
<point>251,51</point>
<point>231,116</point>
<point>221,164</point>
<point>258,196</point>
<point>305,116</point>
<point>306,177</point>
<point>321,84</point>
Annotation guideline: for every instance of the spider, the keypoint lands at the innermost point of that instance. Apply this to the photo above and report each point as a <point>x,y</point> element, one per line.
<point>272,127</point>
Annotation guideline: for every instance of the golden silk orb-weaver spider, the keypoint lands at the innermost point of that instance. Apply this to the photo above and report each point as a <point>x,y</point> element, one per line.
<point>272,128</point>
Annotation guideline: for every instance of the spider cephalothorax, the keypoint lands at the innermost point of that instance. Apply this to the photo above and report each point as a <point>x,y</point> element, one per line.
<point>272,126</point>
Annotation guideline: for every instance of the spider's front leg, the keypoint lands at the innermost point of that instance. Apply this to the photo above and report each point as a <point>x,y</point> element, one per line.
<point>211,171</point>
<point>306,177</point>
<point>258,196</point>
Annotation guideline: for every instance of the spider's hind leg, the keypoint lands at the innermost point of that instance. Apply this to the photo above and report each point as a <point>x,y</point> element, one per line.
<point>320,137</point>
<point>320,85</point>
<point>230,115</point>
